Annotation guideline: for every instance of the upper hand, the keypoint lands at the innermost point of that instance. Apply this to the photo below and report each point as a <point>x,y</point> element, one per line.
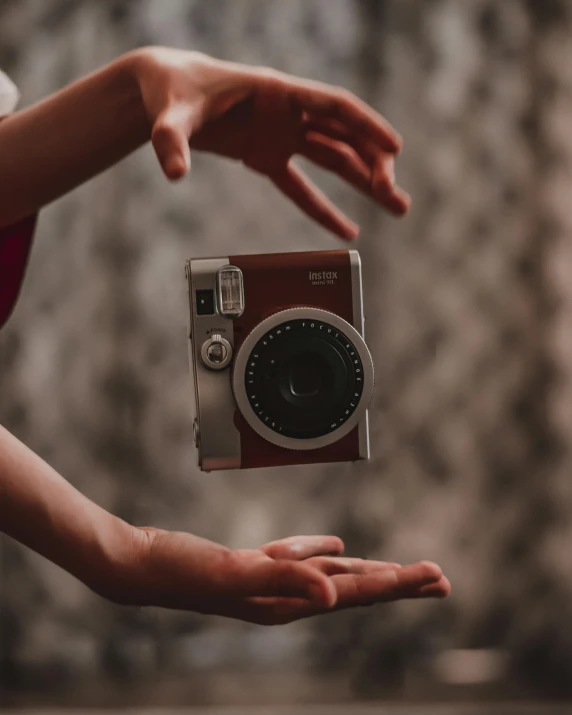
<point>280,582</point>
<point>264,118</point>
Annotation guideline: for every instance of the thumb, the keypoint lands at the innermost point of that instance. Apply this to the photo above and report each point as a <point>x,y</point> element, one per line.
<point>170,138</point>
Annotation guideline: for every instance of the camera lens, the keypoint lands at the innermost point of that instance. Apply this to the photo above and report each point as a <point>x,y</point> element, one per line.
<point>304,378</point>
<point>306,375</point>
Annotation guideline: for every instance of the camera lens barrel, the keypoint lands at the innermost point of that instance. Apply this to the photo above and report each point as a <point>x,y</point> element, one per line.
<point>303,378</point>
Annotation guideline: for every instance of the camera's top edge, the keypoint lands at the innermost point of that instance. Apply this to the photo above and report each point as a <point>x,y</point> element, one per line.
<point>351,251</point>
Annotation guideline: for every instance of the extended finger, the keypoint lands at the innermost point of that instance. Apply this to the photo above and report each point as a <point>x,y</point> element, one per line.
<point>381,164</point>
<point>306,195</point>
<point>323,128</point>
<point>389,585</point>
<point>440,589</point>
<point>341,105</point>
<point>281,578</point>
<point>377,182</point>
<point>337,157</point>
<point>170,138</point>
<point>384,189</point>
<point>370,170</point>
<point>362,145</point>
<point>335,565</point>
<point>303,547</point>
<point>274,611</point>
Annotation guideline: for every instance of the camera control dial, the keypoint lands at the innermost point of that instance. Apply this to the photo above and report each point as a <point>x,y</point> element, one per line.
<point>216,352</point>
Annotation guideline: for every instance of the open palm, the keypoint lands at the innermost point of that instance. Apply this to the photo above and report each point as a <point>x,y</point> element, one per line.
<point>280,582</point>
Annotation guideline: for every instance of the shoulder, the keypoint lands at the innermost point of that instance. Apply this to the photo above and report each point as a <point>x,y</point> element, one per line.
<point>9,95</point>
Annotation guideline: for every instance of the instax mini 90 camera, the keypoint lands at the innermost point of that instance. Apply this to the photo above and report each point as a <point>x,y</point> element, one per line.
<point>281,371</point>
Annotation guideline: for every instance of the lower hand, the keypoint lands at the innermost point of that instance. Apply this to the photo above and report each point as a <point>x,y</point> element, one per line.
<point>278,583</point>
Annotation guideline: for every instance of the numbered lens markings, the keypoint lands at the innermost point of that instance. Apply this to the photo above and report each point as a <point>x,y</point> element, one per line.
<point>344,346</point>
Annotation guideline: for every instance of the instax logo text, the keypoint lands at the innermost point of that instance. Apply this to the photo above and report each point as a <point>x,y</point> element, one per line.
<point>322,278</point>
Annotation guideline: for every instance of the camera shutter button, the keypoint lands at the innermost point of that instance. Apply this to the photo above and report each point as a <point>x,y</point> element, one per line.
<point>216,352</point>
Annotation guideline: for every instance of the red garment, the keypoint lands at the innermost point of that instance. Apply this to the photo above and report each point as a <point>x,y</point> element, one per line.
<point>15,244</point>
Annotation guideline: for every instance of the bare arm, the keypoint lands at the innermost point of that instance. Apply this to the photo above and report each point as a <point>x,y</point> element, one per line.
<point>57,144</point>
<point>45,512</point>
<point>278,583</point>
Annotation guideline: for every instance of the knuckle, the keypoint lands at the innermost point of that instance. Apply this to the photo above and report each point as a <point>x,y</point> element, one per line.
<point>231,564</point>
<point>195,56</point>
<point>358,589</point>
<point>383,183</point>
<point>278,553</point>
<point>429,569</point>
<point>338,544</point>
<point>270,74</point>
<point>162,130</point>
<point>345,96</point>
<point>346,155</point>
<point>271,579</point>
<point>281,575</point>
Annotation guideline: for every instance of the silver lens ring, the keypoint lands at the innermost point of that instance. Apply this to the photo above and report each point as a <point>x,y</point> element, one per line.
<point>240,370</point>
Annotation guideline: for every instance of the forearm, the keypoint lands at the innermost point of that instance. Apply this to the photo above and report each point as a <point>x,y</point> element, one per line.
<point>43,511</point>
<point>50,148</point>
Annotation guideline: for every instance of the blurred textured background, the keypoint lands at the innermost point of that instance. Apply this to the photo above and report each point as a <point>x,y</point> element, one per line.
<point>469,301</point>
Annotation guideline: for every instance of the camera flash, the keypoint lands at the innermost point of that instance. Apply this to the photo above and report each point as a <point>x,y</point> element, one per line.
<point>230,292</point>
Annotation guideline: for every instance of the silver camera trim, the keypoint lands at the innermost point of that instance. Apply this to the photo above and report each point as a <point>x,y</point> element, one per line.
<point>248,345</point>
<point>216,436</point>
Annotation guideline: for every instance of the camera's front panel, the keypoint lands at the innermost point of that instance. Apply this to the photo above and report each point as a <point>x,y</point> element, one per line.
<point>283,375</point>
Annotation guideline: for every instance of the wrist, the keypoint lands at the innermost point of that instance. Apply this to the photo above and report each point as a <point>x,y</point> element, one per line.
<point>126,72</point>
<point>114,569</point>
<point>140,65</point>
<point>169,569</point>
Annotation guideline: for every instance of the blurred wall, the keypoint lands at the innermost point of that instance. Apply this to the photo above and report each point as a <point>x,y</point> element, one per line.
<point>469,302</point>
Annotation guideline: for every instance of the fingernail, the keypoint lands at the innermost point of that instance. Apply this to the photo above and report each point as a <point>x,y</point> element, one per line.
<point>352,232</point>
<point>431,564</point>
<point>402,202</point>
<point>176,167</point>
<point>434,571</point>
<point>324,593</point>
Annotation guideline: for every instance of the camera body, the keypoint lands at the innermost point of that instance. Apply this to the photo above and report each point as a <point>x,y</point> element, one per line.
<point>281,371</point>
